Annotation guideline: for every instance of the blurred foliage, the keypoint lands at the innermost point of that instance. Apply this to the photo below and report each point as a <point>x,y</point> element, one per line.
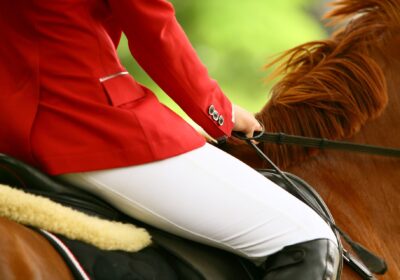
<point>235,39</point>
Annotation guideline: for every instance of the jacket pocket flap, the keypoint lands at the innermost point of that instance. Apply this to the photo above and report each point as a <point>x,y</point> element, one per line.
<point>122,89</point>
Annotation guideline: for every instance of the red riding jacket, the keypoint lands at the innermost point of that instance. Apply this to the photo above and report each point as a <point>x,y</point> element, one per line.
<point>68,105</point>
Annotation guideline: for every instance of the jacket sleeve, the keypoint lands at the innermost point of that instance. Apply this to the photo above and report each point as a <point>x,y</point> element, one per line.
<point>162,49</point>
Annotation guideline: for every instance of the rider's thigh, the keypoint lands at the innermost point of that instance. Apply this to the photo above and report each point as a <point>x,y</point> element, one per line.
<point>208,196</point>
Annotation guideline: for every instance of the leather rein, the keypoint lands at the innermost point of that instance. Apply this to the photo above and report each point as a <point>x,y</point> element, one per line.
<point>323,143</point>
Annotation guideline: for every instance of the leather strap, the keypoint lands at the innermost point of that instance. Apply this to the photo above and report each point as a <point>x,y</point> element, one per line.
<point>323,143</point>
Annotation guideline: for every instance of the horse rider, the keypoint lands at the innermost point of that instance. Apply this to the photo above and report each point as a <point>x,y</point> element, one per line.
<point>69,108</point>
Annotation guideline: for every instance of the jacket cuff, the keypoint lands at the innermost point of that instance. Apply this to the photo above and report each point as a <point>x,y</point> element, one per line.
<point>220,113</point>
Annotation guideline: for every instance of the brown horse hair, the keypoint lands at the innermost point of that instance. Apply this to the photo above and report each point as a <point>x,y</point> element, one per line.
<point>330,88</point>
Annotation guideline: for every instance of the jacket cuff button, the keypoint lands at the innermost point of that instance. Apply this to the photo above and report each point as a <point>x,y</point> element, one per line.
<point>211,110</point>
<point>221,120</point>
<point>215,115</point>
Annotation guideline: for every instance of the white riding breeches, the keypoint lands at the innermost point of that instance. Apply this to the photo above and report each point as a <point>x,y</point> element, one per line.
<point>208,196</point>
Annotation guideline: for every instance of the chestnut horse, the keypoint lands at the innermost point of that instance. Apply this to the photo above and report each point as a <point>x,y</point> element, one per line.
<point>342,88</point>
<point>347,87</point>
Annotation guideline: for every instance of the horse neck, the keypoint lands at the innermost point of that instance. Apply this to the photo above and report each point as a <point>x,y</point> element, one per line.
<point>362,190</point>
<point>383,130</point>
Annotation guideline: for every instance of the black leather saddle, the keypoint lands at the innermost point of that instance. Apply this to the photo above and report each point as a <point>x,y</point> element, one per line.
<point>189,260</point>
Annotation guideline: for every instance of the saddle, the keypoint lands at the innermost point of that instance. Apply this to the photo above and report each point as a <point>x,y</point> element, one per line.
<point>189,260</point>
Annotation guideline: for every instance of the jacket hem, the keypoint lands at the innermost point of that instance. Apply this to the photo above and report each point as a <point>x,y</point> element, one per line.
<point>105,160</point>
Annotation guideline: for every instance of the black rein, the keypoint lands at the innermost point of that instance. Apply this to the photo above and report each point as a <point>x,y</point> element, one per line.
<point>323,143</point>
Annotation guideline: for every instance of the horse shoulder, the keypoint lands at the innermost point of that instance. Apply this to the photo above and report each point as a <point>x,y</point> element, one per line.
<point>25,254</point>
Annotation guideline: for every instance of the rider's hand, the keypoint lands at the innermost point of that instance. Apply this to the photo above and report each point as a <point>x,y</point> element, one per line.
<point>245,122</point>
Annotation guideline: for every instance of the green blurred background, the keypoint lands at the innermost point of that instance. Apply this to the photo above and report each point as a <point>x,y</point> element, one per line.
<point>235,39</point>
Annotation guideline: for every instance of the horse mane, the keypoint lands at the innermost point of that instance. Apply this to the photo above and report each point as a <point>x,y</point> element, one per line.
<point>330,88</point>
